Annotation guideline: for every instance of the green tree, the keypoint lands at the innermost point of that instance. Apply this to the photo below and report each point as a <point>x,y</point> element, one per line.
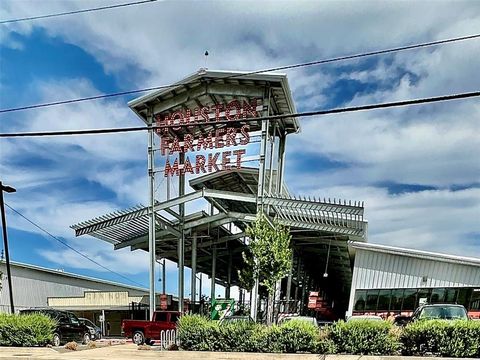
<point>268,256</point>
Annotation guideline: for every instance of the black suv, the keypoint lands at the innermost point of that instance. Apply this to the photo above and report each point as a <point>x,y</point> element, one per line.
<point>69,328</point>
<point>440,311</point>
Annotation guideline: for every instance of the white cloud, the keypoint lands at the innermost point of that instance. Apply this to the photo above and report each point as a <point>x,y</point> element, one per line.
<point>158,43</point>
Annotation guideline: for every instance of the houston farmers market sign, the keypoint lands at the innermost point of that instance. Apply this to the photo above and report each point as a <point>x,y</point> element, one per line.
<point>213,143</point>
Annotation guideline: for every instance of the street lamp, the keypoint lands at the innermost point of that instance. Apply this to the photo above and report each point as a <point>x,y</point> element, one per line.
<point>7,189</point>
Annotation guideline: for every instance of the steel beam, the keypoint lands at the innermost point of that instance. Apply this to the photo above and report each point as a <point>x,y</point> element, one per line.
<point>210,243</point>
<point>138,240</point>
<point>214,269</point>
<point>194,268</point>
<point>151,223</point>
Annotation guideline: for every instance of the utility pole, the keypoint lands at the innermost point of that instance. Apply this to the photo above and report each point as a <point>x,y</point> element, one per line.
<point>7,189</point>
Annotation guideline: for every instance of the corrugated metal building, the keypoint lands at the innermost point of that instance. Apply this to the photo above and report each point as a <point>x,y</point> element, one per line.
<point>391,279</point>
<point>33,285</point>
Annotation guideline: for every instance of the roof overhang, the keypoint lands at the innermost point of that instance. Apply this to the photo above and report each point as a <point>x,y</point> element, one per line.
<point>211,87</point>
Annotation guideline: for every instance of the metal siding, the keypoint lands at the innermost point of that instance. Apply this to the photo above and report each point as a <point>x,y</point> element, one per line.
<point>375,270</point>
<point>31,288</point>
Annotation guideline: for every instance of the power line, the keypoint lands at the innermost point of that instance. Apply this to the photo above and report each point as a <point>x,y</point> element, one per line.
<point>272,117</point>
<point>75,12</point>
<point>293,66</point>
<point>70,247</point>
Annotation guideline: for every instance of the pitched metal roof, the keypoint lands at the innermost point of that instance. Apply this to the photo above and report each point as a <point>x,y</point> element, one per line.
<point>210,87</point>
<point>420,254</point>
<point>72,275</point>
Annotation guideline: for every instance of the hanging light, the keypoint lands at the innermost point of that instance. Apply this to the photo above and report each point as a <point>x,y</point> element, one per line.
<point>325,274</point>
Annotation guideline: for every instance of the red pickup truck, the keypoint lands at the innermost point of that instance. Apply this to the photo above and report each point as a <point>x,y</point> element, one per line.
<point>143,331</point>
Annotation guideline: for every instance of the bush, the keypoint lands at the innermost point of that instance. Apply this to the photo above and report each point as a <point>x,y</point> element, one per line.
<point>200,334</point>
<point>364,337</point>
<point>197,333</point>
<point>238,336</point>
<point>440,337</point>
<point>26,330</point>
<point>299,336</point>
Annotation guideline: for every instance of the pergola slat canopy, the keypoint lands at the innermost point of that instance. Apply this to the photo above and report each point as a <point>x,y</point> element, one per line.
<point>323,220</point>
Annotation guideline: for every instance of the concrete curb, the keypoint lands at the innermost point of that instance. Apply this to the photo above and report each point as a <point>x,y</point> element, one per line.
<point>130,351</point>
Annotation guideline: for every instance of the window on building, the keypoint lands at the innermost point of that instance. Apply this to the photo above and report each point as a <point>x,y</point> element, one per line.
<point>437,295</point>
<point>409,299</point>
<point>451,295</point>
<point>423,295</point>
<point>372,299</point>
<point>384,300</point>
<point>475,300</point>
<point>397,298</point>
<point>360,297</point>
<point>464,296</point>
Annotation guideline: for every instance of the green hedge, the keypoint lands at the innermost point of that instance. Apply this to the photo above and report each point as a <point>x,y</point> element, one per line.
<point>200,334</point>
<point>25,330</point>
<point>459,338</point>
<point>364,337</point>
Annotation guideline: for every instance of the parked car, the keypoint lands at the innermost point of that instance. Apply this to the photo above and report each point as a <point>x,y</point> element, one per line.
<point>440,311</point>
<point>95,331</point>
<point>69,327</point>
<point>402,320</point>
<point>307,319</point>
<point>364,317</point>
<point>236,318</point>
<point>144,331</point>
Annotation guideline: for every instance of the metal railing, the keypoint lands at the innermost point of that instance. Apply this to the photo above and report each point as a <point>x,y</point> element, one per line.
<point>168,338</point>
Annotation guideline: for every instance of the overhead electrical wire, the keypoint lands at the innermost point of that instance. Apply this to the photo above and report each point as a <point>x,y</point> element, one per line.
<point>107,7</point>
<point>286,67</point>
<point>272,117</point>
<point>71,247</point>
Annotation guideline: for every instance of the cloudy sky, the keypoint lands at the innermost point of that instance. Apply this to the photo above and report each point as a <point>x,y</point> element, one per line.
<point>416,168</point>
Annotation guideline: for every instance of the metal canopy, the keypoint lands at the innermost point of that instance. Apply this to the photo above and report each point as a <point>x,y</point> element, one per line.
<point>315,224</point>
<point>213,241</point>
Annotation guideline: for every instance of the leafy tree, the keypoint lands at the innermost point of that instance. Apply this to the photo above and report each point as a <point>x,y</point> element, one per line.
<point>268,256</point>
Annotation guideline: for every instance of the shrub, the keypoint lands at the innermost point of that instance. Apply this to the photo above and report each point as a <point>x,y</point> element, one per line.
<point>441,337</point>
<point>26,330</point>
<point>238,336</point>
<point>364,337</point>
<point>299,336</point>
<point>197,333</point>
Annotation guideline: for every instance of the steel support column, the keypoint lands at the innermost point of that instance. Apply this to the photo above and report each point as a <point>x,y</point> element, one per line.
<point>214,269</point>
<point>181,239</point>
<point>229,274</point>
<point>194,269</point>
<point>281,162</point>
<point>164,277</point>
<point>151,220</point>
<point>289,282</point>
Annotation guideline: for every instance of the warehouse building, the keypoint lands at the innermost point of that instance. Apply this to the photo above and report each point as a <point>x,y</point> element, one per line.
<point>390,279</point>
<point>35,287</point>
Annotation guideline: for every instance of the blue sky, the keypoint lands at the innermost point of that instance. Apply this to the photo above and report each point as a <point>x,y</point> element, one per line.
<point>417,169</point>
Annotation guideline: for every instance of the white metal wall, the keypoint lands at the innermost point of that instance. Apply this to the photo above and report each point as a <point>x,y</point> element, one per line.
<point>376,270</point>
<point>31,287</point>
